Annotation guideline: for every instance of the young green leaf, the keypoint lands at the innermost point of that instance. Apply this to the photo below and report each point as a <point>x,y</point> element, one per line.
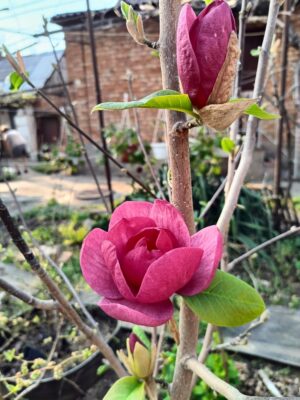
<point>163,99</point>
<point>227,302</point>
<point>127,388</point>
<point>138,331</point>
<point>125,9</point>
<point>256,52</point>
<point>227,144</point>
<point>260,113</point>
<point>16,81</point>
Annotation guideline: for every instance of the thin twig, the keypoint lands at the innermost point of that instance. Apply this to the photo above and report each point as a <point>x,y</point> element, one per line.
<point>178,146</point>
<point>269,384</point>
<point>58,270</point>
<point>213,199</point>
<point>294,230</point>
<point>140,139</point>
<point>250,138</point>
<point>27,298</point>
<point>78,129</point>
<point>243,335</point>
<point>74,114</point>
<point>158,349</point>
<point>69,312</point>
<point>49,358</point>
<point>220,386</point>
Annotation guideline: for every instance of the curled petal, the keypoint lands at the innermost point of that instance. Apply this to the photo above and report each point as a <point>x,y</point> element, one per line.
<point>188,69</point>
<point>211,242</point>
<point>130,209</point>
<point>168,274</point>
<point>168,217</point>
<point>125,229</point>
<point>140,314</point>
<point>93,265</point>
<point>110,257</point>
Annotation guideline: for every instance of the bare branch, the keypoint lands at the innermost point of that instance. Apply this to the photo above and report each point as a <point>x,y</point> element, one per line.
<point>249,144</point>
<point>84,134</point>
<point>27,298</point>
<point>220,386</point>
<point>69,312</point>
<point>75,118</point>
<point>294,230</point>
<point>58,270</point>
<point>140,139</point>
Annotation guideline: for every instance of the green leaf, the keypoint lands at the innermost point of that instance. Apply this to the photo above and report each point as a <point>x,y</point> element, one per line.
<point>207,2</point>
<point>227,302</point>
<point>163,99</point>
<point>125,9</point>
<point>260,113</point>
<point>128,388</point>
<point>138,331</point>
<point>16,81</point>
<point>227,145</point>
<point>256,52</point>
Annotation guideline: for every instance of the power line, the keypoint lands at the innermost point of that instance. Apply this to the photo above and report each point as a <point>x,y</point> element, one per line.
<point>39,9</point>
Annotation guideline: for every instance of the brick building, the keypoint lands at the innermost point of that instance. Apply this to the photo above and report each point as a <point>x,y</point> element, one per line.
<point>117,53</point>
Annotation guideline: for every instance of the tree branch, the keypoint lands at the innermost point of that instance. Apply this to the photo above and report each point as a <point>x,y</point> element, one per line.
<point>294,230</point>
<point>250,138</point>
<point>220,386</point>
<point>58,270</point>
<point>178,143</point>
<point>27,298</point>
<point>95,337</point>
<point>249,144</point>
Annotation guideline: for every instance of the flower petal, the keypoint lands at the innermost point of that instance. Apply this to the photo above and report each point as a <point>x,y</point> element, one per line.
<point>168,274</point>
<point>168,217</point>
<point>135,265</point>
<point>125,229</point>
<point>140,314</point>
<point>188,69</point>
<point>130,209</point>
<point>209,37</point>
<point>211,242</point>
<point>110,257</point>
<point>93,266</point>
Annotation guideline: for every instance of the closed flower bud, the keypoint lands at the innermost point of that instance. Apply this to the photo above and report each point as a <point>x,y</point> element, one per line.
<point>139,360</point>
<point>207,53</point>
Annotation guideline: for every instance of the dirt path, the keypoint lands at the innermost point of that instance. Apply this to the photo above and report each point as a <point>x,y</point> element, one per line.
<point>34,188</point>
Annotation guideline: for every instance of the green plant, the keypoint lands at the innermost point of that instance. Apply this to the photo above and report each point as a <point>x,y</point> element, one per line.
<point>215,362</point>
<point>204,154</point>
<point>52,160</point>
<point>124,144</point>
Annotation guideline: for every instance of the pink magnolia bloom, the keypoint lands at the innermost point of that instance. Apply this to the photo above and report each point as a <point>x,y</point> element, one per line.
<point>202,44</point>
<point>146,256</point>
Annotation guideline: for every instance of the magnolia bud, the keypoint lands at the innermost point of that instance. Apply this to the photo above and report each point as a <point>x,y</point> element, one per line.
<point>139,361</point>
<point>135,26</point>
<point>207,53</point>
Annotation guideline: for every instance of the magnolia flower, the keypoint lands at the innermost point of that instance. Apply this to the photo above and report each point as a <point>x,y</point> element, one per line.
<point>146,256</point>
<point>207,55</point>
<point>139,360</point>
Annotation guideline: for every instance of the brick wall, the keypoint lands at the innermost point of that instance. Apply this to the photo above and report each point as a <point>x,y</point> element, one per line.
<point>116,53</point>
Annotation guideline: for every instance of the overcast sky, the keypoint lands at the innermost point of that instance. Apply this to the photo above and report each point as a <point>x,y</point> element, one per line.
<point>20,19</point>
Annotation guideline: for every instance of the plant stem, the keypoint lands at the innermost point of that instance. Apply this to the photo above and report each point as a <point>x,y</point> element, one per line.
<point>249,144</point>
<point>27,298</point>
<point>58,270</point>
<point>178,144</point>
<point>140,139</point>
<point>292,231</point>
